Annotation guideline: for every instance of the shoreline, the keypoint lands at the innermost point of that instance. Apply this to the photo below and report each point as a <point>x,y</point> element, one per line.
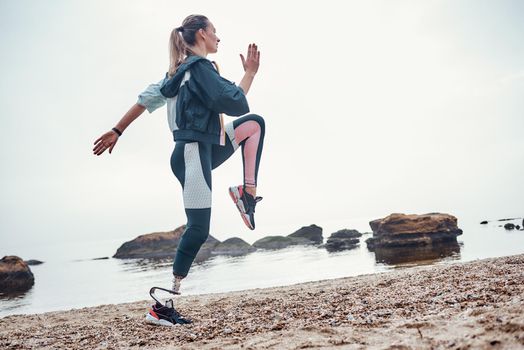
<point>475,304</point>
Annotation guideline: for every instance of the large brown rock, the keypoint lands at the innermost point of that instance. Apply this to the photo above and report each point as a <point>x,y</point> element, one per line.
<point>15,275</point>
<point>159,245</point>
<point>397,230</point>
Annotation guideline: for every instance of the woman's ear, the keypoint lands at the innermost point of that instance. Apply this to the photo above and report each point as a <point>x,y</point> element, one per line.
<point>202,33</point>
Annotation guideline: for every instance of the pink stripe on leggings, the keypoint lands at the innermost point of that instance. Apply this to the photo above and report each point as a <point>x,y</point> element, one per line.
<point>249,130</point>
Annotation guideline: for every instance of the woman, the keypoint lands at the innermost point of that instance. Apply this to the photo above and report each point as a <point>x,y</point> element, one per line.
<point>196,97</point>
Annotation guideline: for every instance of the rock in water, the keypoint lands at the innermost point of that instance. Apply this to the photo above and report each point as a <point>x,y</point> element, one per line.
<point>32,262</point>
<point>15,275</point>
<point>343,239</point>
<point>160,245</point>
<point>280,242</point>
<point>311,232</point>
<point>509,226</point>
<point>397,230</point>
<point>233,247</point>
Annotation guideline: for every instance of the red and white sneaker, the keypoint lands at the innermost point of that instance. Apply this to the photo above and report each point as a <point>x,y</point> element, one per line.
<point>245,203</point>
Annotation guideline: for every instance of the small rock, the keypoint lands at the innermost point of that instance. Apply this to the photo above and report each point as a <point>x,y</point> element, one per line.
<point>483,222</point>
<point>311,232</point>
<point>342,240</point>
<point>280,242</point>
<point>32,262</point>
<point>233,247</point>
<point>509,226</point>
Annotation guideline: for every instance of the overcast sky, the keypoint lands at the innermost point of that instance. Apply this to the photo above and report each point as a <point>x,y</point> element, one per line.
<point>371,107</point>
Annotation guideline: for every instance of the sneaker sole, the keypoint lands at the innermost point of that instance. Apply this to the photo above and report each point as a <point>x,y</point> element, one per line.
<point>235,196</point>
<point>151,320</point>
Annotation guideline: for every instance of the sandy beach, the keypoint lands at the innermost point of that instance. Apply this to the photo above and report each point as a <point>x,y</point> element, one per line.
<point>473,305</point>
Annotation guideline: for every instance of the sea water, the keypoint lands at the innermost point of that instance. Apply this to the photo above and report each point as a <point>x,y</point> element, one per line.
<point>71,278</point>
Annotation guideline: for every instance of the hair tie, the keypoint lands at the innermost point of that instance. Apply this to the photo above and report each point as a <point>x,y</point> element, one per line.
<point>180,29</point>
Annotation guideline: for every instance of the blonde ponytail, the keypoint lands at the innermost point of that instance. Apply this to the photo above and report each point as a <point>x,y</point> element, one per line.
<point>177,51</point>
<point>182,38</point>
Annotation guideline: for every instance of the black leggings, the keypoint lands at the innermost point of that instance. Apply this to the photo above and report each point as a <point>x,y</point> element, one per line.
<point>192,163</point>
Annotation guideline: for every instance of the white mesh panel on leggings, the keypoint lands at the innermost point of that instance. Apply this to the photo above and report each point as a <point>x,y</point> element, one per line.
<point>197,194</point>
<point>230,131</point>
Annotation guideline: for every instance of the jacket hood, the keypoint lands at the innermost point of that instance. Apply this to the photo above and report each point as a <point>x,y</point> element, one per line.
<point>172,85</point>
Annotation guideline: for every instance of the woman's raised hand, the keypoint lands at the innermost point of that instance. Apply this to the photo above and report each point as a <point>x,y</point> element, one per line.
<point>108,140</point>
<point>252,61</point>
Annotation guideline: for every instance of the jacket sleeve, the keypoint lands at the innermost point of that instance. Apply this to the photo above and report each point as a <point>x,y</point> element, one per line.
<point>151,98</point>
<point>216,93</point>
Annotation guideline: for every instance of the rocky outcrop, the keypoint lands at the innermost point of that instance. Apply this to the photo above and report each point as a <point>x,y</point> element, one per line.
<point>233,247</point>
<point>311,232</point>
<point>280,242</point>
<point>399,230</point>
<point>161,245</point>
<point>342,240</point>
<point>15,275</point>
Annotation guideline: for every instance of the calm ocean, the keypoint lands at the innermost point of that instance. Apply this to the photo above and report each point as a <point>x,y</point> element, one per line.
<point>70,278</point>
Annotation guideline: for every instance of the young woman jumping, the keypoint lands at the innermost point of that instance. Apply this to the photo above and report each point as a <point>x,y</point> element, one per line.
<point>196,96</point>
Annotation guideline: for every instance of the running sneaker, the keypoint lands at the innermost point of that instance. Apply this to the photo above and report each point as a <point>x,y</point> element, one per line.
<point>165,315</point>
<point>245,203</point>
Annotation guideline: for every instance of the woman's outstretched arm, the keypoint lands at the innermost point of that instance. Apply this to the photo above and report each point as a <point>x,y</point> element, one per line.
<point>250,64</point>
<point>149,99</point>
<point>109,139</point>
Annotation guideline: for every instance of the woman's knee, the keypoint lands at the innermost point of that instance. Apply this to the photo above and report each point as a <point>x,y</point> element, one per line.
<point>195,236</point>
<point>250,117</point>
<point>260,121</point>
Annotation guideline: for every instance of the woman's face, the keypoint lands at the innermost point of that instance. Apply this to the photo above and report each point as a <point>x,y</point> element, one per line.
<point>211,38</point>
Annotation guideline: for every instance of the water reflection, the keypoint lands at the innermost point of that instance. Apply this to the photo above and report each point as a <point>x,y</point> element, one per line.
<point>14,301</point>
<point>144,265</point>
<point>13,295</point>
<point>140,265</point>
<point>423,255</point>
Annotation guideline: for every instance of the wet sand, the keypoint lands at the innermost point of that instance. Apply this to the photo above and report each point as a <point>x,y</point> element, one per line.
<point>474,305</point>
